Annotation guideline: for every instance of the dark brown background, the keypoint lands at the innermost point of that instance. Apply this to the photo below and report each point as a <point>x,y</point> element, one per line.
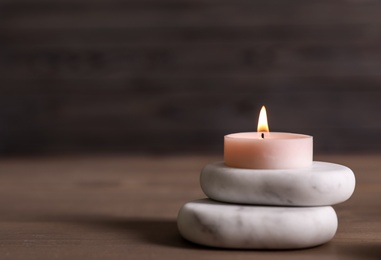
<point>150,76</point>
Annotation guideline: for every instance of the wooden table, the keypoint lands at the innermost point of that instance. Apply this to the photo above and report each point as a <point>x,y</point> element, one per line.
<point>122,207</point>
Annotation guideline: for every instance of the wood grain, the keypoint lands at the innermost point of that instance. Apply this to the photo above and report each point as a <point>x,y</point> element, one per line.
<point>125,207</point>
<point>175,76</point>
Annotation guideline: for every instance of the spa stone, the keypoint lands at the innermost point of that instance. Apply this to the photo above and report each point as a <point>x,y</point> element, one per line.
<point>319,185</point>
<point>223,225</point>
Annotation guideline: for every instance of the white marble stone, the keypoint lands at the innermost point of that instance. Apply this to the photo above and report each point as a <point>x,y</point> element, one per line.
<point>319,185</point>
<point>217,224</point>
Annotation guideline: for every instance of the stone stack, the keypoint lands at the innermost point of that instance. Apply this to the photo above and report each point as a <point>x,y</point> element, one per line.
<point>266,209</point>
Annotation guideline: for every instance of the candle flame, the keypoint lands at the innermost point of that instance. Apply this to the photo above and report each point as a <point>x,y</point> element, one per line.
<point>262,121</point>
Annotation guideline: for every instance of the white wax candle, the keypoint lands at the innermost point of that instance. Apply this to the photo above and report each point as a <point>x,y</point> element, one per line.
<point>269,150</point>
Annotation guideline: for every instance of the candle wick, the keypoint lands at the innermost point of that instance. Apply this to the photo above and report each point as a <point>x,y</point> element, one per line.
<point>263,136</point>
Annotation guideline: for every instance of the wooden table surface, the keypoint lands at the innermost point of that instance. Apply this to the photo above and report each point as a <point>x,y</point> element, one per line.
<point>123,207</point>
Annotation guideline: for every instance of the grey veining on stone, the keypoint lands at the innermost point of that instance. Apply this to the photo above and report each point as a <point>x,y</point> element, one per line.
<point>225,225</point>
<point>319,185</point>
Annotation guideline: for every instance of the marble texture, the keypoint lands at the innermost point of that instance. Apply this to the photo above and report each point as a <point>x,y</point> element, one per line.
<point>319,185</point>
<point>217,224</point>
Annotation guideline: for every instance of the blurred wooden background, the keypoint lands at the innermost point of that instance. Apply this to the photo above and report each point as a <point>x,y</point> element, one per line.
<point>154,76</point>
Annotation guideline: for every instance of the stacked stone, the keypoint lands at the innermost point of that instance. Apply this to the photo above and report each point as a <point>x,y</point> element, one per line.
<point>266,208</point>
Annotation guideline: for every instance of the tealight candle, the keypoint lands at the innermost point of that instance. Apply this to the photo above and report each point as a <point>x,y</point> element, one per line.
<point>267,150</point>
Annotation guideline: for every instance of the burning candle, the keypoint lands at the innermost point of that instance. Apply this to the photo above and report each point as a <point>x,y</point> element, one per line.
<point>267,150</point>
<point>288,197</point>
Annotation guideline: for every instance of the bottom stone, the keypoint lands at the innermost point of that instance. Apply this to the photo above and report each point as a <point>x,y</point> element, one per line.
<point>217,224</point>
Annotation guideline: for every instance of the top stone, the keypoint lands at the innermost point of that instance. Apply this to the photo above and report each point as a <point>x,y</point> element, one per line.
<point>321,184</point>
